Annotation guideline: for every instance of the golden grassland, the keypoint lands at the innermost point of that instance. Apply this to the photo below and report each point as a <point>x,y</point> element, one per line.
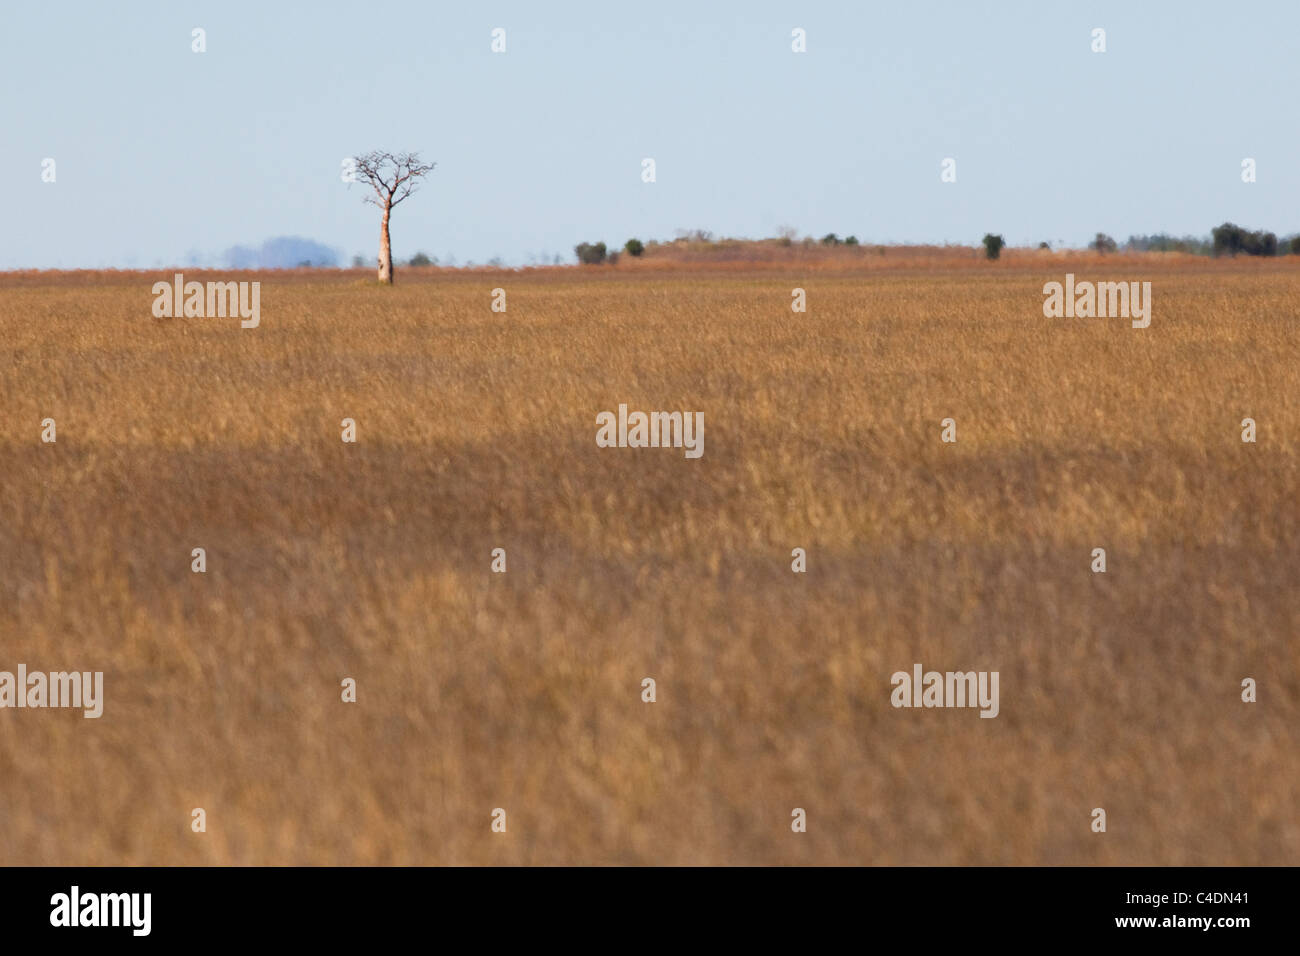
<point>476,690</point>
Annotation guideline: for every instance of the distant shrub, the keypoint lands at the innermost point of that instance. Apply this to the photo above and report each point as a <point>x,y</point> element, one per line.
<point>634,247</point>
<point>420,259</point>
<point>589,254</point>
<point>830,239</point>
<point>1294,246</point>
<point>612,259</point>
<point>851,241</point>
<point>1044,245</point>
<point>1103,243</point>
<point>1231,239</point>
<point>993,245</point>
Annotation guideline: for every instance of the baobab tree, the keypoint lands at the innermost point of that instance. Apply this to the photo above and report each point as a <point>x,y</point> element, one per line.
<point>393,177</point>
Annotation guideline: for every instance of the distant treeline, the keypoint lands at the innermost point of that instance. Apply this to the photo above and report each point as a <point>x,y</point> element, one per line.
<point>1226,240</point>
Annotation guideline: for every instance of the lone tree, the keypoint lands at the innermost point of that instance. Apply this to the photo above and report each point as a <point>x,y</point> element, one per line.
<point>1103,244</point>
<point>393,177</point>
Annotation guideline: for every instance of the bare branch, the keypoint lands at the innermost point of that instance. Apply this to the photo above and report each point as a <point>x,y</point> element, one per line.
<point>393,176</point>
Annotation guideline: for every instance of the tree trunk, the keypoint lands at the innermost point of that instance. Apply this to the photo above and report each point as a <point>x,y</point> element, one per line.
<point>385,253</point>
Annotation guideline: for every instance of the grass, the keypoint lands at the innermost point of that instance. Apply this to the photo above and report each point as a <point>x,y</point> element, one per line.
<point>523,691</point>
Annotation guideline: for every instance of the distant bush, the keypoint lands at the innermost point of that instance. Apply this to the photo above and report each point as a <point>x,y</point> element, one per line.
<point>830,239</point>
<point>1103,243</point>
<point>851,241</point>
<point>1230,239</point>
<point>1044,245</point>
<point>590,255</point>
<point>420,259</point>
<point>993,245</point>
<point>1294,246</point>
<point>634,247</point>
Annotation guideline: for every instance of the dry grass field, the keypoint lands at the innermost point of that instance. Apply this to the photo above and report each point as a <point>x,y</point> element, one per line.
<point>522,690</point>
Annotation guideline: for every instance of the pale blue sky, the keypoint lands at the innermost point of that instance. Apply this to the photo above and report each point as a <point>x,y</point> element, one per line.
<point>161,152</point>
